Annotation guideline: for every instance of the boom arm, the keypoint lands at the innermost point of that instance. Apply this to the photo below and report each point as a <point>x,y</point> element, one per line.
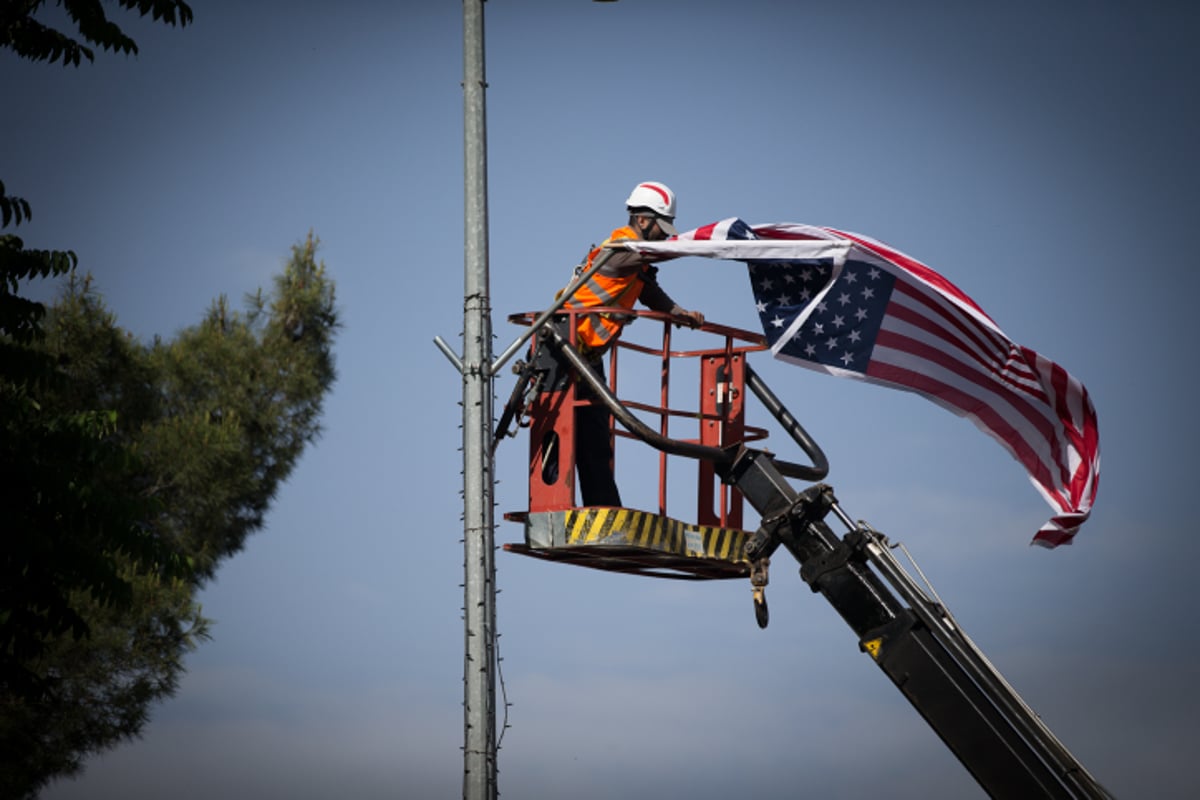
<point>912,638</point>
<point>978,715</point>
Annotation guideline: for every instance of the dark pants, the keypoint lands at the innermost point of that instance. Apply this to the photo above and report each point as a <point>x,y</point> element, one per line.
<point>593,447</point>
<point>593,450</point>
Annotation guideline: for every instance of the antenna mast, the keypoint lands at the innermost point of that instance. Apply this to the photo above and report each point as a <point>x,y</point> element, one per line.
<point>479,665</point>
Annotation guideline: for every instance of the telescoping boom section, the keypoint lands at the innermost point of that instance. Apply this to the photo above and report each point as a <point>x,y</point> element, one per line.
<point>901,624</point>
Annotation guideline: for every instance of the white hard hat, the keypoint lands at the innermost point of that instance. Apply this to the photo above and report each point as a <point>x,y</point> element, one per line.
<point>658,198</point>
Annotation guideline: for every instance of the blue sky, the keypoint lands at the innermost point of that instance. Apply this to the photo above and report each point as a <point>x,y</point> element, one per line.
<point>1040,155</point>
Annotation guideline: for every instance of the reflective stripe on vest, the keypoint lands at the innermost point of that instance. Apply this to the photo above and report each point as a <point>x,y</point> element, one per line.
<point>596,330</point>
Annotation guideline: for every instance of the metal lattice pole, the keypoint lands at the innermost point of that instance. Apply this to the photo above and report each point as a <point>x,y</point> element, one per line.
<point>479,665</point>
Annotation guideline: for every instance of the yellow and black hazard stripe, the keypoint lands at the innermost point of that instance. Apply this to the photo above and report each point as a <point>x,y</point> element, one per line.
<point>628,527</point>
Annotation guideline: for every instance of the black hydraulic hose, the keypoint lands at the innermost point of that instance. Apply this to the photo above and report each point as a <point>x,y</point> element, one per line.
<point>817,471</point>
<point>820,464</point>
<point>625,416</point>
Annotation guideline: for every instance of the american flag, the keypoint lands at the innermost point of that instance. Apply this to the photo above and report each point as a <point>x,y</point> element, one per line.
<point>848,305</point>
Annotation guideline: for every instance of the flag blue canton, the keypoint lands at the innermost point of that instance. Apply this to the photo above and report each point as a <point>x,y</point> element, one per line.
<point>841,329</point>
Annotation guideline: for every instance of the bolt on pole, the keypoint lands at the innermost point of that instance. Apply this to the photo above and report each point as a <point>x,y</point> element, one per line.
<point>479,664</point>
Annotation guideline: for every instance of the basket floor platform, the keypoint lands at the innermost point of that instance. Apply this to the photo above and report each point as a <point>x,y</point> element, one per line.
<point>635,542</point>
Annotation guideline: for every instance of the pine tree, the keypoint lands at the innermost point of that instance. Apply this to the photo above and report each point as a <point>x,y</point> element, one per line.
<point>128,471</point>
<point>134,471</point>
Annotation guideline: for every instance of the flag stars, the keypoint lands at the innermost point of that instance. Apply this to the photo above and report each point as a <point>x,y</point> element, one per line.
<point>843,318</point>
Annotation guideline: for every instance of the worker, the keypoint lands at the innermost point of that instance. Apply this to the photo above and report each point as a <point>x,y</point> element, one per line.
<point>624,278</point>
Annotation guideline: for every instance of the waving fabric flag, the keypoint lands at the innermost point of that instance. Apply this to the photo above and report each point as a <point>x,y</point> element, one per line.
<point>847,305</point>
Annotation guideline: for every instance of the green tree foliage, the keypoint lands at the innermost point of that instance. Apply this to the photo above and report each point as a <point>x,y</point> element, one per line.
<point>122,522</point>
<point>36,41</point>
<point>250,385</point>
<point>96,604</point>
<point>51,465</point>
<point>98,689</point>
<point>127,471</point>
<point>19,317</point>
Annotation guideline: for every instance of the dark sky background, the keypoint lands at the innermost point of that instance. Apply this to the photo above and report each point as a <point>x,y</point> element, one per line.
<point>1040,155</point>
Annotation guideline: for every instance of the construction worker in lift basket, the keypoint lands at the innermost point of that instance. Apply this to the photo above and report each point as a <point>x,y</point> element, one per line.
<point>624,278</point>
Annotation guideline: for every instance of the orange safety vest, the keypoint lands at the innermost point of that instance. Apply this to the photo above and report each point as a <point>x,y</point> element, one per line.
<point>596,331</point>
